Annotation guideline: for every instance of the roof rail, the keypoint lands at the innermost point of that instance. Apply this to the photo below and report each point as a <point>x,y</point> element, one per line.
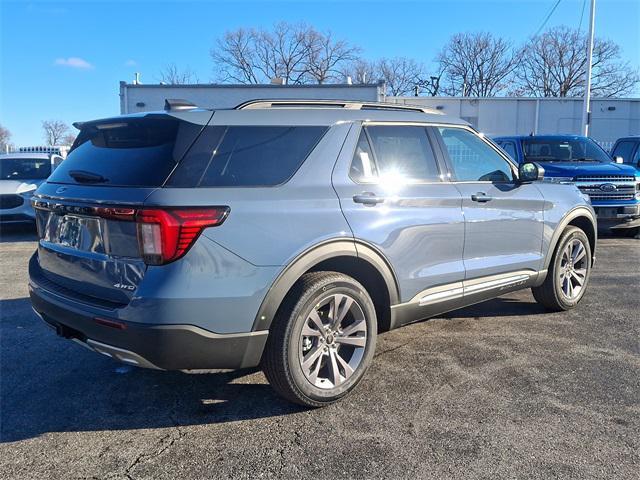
<point>347,104</point>
<point>178,104</point>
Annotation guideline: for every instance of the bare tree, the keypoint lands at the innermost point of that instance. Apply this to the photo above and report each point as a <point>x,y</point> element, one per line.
<point>172,75</point>
<point>297,53</point>
<point>68,139</point>
<point>401,74</point>
<point>258,56</point>
<point>54,131</point>
<point>326,57</point>
<point>476,64</point>
<point>361,71</point>
<point>554,64</point>
<point>5,138</point>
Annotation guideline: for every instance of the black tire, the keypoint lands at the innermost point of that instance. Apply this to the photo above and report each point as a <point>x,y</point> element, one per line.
<point>284,352</point>
<point>550,294</point>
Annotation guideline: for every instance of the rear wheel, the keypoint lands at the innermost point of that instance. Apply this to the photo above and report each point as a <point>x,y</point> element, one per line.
<point>568,274</point>
<point>322,340</point>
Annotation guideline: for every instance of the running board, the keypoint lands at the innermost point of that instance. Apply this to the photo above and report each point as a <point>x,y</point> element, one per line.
<point>443,298</point>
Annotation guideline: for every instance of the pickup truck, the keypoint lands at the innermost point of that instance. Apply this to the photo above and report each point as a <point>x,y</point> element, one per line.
<point>613,188</point>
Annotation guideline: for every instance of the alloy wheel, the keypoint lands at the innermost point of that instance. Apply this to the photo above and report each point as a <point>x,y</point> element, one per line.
<point>573,269</point>
<point>333,341</point>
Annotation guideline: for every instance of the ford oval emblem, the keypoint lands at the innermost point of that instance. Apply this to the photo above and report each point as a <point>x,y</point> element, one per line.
<point>61,189</point>
<point>608,187</point>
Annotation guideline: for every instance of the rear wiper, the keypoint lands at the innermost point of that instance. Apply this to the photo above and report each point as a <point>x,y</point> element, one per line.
<point>82,176</point>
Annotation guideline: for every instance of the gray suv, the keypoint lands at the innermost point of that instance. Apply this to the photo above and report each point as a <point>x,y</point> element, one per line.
<point>288,234</point>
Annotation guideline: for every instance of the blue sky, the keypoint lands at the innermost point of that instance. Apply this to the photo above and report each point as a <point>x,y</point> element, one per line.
<point>63,60</point>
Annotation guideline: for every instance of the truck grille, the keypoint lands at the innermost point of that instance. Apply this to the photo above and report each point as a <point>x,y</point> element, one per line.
<point>608,187</point>
<point>10,201</point>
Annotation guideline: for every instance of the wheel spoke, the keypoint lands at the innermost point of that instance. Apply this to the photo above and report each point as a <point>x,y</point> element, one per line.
<point>307,331</point>
<point>317,321</point>
<point>355,341</point>
<point>579,252</point>
<point>358,326</point>
<point>348,371</point>
<point>340,306</point>
<point>578,277</point>
<point>335,371</point>
<point>313,373</point>
<point>565,285</point>
<point>311,357</point>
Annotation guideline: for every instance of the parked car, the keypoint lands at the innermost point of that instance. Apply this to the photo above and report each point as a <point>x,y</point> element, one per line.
<point>614,189</point>
<point>20,176</point>
<point>288,234</point>
<point>628,150</point>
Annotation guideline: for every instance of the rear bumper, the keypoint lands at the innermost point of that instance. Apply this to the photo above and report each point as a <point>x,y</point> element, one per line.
<point>166,347</point>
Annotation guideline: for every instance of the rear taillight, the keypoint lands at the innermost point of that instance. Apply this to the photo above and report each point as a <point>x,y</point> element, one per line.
<point>166,234</point>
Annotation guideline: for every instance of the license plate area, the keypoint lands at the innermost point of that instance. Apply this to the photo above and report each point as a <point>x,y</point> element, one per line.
<point>78,232</point>
<point>607,212</point>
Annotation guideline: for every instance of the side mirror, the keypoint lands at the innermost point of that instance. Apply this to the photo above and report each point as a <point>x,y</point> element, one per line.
<point>618,159</point>
<point>530,172</point>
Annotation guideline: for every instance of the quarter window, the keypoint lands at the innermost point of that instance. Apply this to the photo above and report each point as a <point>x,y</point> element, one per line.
<point>400,153</point>
<point>472,159</point>
<point>245,156</point>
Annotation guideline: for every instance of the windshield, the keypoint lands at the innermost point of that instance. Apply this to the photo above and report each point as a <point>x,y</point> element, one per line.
<point>540,149</point>
<point>24,168</point>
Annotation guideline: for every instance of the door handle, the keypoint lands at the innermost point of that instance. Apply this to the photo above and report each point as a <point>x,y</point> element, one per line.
<point>368,198</point>
<point>481,197</point>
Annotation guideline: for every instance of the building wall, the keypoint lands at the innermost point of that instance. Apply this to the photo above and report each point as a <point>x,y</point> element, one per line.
<point>610,118</point>
<point>143,98</point>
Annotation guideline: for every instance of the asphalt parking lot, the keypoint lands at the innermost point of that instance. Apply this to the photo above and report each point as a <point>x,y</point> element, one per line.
<point>498,390</point>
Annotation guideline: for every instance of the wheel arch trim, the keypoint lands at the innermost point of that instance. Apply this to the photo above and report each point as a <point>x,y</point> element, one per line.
<point>313,256</point>
<point>580,211</point>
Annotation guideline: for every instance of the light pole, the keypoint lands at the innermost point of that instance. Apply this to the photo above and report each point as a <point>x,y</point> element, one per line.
<point>586,110</point>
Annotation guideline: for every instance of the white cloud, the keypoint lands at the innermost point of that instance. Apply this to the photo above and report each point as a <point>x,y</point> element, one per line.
<point>73,62</point>
<point>130,63</point>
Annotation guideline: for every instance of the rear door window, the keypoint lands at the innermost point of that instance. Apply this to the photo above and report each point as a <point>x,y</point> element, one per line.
<point>246,156</point>
<point>394,152</point>
<point>140,152</point>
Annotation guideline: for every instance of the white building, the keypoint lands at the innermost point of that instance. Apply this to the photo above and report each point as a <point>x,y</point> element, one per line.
<point>610,118</point>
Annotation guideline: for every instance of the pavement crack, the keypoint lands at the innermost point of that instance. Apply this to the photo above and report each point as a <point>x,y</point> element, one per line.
<point>167,441</point>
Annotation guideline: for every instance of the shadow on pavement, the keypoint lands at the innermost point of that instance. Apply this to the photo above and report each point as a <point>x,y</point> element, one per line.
<point>498,307</point>
<point>49,384</point>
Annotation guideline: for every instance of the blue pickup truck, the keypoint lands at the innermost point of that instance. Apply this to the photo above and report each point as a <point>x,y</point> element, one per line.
<point>614,189</point>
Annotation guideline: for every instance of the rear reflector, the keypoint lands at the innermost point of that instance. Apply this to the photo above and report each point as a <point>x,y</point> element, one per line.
<point>110,323</point>
<point>167,234</point>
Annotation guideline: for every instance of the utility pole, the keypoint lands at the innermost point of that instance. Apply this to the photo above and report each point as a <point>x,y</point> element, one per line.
<point>586,108</point>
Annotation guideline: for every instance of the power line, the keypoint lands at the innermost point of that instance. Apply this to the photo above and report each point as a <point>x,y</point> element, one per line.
<point>548,17</point>
<point>584,4</point>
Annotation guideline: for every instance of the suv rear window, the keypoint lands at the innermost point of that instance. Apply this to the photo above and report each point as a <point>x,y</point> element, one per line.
<point>140,152</point>
<point>246,156</point>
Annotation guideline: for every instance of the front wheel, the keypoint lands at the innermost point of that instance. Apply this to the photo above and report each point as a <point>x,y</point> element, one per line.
<point>322,340</point>
<point>568,274</point>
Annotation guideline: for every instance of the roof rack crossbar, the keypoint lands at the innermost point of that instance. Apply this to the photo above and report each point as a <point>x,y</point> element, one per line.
<point>349,104</point>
